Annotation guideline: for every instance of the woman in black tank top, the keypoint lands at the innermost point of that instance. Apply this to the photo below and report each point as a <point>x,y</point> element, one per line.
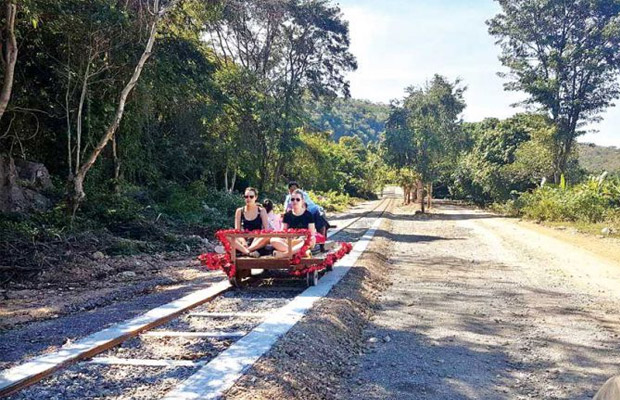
<point>251,217</point>
<point>251,224</point>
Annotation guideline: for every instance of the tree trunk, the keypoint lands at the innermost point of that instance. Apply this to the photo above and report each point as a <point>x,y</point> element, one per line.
<point>68,116</point>
<point>233,181</point>
<point>226,179</point>
<point>420,196</point>
<point>430,195</point>
<point>78,123</point>
<point>77,194</point>
<point>117,167</point>
<point>9,56</point>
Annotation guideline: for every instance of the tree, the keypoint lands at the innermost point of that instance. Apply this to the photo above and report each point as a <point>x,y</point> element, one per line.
<point>292,47</point>
<point>566,56</point>
<point>77,183</point>
<point>423,131</point>
<point>504,157</point>
<point>8,47</point>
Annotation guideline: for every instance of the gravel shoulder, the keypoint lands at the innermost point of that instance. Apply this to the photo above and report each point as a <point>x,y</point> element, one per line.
<point>605,247</point>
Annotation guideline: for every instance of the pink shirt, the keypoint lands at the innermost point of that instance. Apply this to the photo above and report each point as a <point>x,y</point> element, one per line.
<point>274,221</point>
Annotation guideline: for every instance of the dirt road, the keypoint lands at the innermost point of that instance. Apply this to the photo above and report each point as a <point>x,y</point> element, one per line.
<point>484,308</point>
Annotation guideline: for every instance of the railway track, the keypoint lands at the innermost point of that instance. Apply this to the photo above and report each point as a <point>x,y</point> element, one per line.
<point>156,354</point>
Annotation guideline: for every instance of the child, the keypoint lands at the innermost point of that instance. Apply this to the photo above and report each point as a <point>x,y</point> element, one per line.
<point>273,220</point>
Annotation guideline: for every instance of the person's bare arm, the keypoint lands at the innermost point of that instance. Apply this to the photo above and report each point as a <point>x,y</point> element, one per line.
<point>264,218</point>
<point>238,218</point>
<point>312,229</point>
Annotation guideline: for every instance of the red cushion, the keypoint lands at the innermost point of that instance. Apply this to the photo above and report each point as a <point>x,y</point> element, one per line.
<point>320,239</point>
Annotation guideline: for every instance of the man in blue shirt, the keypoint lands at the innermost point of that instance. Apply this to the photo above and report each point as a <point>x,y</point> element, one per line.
<point>312,207</point>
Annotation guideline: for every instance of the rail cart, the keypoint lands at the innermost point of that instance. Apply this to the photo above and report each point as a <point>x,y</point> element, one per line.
<point>244,265</point>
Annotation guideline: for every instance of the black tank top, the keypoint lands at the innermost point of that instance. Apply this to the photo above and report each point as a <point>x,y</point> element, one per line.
<point>251,225</point>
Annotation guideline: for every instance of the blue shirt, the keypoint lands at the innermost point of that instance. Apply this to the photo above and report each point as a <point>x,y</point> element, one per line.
<point>312,207</point>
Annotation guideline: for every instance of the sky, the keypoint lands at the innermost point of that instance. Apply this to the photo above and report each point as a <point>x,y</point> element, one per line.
<point>399,43</point>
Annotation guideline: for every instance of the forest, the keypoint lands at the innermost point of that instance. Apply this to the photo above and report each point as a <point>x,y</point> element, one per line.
<point>129,126</point>
<point>134,123</point>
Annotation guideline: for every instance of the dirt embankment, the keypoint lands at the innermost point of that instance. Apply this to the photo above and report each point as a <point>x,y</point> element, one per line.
<point>93,279</point>
<point>122,279</point>
<point>314,357</point>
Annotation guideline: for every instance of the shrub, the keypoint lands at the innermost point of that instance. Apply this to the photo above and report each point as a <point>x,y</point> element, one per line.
<point>591,201</point>
<point>332,201</point>
<point>198,203</point>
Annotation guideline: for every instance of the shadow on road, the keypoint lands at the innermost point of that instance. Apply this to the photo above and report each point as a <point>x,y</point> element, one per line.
<point>433,215</point>
<point>410,238</point>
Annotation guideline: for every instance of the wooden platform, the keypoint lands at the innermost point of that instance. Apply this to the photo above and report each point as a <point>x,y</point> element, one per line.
<point>269,262</point>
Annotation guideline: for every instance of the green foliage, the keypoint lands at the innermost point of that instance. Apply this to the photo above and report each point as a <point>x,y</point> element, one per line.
<point>198,112</point>
<point>565,55</point>
<point>504,158</point>
<point>591,201</point>
<point>423,131</point>
<point>346,166</point>
<point>197,204</point>
<point>555,204</point>
<point>332,200</point>
<point>349,117</point>
<point>597,159</point>
<point>407,178</point>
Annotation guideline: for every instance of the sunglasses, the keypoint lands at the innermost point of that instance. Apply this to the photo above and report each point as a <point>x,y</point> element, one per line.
<point>295,199</point>
<point>249,196</point>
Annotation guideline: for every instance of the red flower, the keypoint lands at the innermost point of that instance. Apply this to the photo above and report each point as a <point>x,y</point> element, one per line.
<point>215,261</point>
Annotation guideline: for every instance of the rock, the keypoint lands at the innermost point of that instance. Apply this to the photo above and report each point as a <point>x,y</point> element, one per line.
<point>606,231</point>
<point>12,197</point>
<point>98,255</point>
<point>372,340</point>
<point>35,174</point>
<point>36,201</point>
<point>127,274</point>
<point>387,339</point>
<point>20,183</point>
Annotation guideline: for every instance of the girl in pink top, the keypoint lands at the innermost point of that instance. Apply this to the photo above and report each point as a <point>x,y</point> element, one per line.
<point>274,221</point>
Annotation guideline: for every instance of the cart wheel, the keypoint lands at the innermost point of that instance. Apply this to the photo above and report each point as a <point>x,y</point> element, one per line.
<point>312,278</point>
<point>235,282</point>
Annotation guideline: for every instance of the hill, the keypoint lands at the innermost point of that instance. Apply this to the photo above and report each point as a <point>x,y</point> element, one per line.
<point>596,159</point>
<point>350,117</point>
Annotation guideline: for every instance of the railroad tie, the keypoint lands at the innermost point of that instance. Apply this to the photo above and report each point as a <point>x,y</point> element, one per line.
<point>215,335</point>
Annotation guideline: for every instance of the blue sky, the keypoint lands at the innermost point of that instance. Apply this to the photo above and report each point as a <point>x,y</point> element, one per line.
<point>400,43</point>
